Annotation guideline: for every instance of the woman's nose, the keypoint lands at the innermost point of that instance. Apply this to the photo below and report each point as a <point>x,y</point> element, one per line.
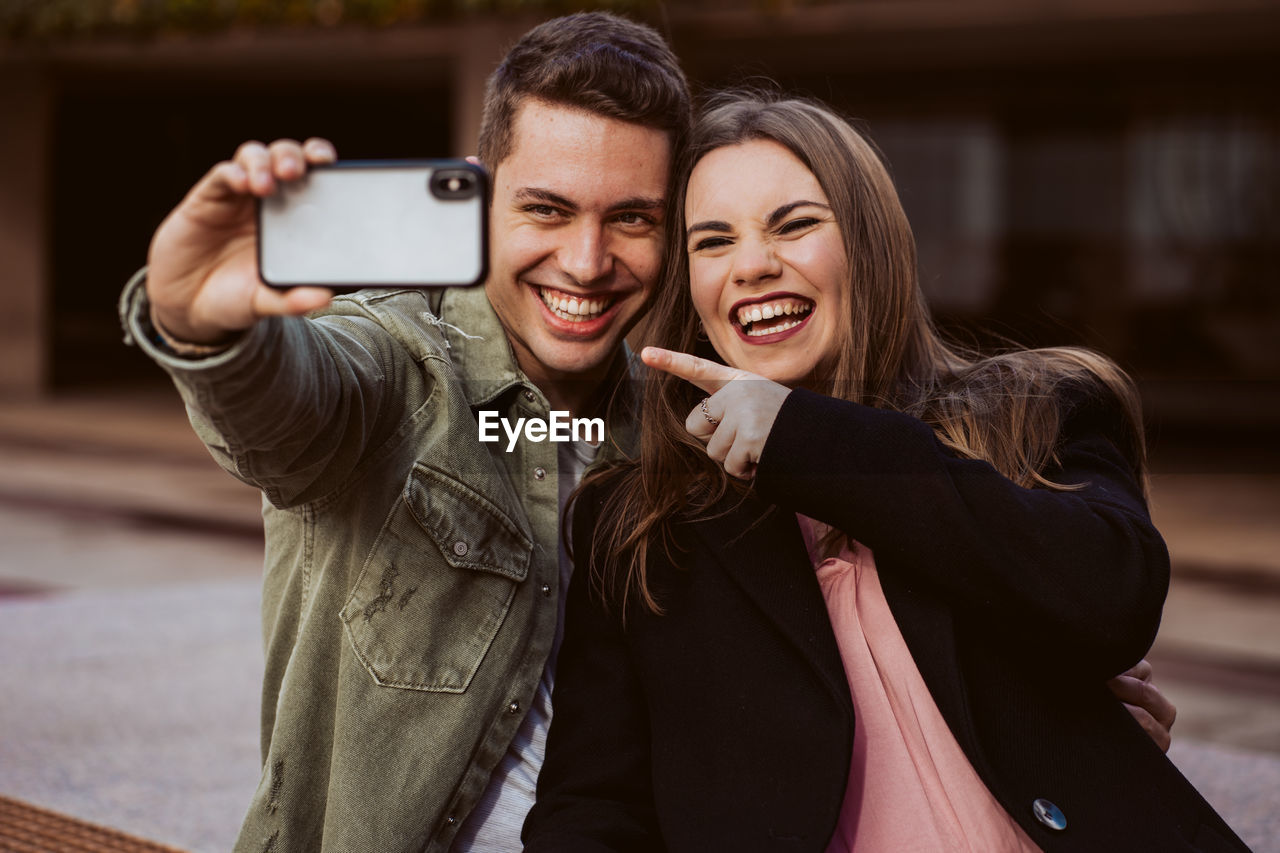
<point>755,261</point>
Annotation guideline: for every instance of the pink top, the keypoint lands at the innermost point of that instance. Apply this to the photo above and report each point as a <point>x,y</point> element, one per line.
<point>911,788</point>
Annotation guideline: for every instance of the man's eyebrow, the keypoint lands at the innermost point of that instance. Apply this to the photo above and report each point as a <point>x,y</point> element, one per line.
<point>538,194</point>
<point>638,203</point>
<point>546,196</point>
<point>779,214</point>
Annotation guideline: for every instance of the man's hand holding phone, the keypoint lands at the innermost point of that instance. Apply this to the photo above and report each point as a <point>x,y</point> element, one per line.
<point>202,277</point>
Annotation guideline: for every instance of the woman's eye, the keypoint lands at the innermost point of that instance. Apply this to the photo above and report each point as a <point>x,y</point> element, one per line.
<point>710,243</point>
<point>795,225</point>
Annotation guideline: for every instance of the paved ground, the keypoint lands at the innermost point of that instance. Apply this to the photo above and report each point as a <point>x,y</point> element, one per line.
<point>129,576</point>
<point>135,707</point>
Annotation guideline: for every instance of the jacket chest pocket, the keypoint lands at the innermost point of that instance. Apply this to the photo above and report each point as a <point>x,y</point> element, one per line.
<point>437,585</point>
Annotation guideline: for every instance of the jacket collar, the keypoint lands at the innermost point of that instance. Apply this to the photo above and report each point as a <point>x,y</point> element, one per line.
<point>478,345</point>
<point>762,550</point>
<point>760,547</point>
<point>486,363</point>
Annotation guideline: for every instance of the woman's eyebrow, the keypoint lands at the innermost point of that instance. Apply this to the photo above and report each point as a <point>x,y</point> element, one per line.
<point>778,215</point>
<point>771,221</point>
<point>710,225</point>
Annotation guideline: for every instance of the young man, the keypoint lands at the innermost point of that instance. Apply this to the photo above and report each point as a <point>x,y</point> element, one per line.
<point>414,577</point>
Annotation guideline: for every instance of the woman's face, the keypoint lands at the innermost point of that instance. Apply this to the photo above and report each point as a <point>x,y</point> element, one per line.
<point>767,264</point>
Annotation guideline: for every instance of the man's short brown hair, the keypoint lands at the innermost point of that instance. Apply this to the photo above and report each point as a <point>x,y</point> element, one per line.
<point>594,61</point>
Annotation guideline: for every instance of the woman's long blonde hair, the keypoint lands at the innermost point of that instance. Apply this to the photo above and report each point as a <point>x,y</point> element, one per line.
<point>1002,408</point>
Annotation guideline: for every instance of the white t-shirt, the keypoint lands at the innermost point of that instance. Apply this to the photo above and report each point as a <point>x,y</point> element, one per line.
<point>494,825</point>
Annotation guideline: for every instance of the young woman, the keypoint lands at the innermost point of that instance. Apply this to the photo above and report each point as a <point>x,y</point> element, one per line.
<point>859,590</point>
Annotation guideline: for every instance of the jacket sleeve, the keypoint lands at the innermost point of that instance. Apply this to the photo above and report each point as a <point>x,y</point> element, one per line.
<point>1080,572</point>
<point>295,403</point>
<point>594,791</point>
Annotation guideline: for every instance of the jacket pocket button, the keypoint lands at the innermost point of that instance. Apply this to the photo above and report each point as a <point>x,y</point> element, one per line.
<point>539,473</point>
<point>1049,814</point>
<point>460,548</point>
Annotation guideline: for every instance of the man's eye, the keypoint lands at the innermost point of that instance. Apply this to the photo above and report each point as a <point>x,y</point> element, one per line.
<point>543,211</point>
<point>635,219</point>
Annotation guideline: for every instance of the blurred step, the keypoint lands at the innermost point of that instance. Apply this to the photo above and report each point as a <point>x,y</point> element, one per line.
<point>27,827</point>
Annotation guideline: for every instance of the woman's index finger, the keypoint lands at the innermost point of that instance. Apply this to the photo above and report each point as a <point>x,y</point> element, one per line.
<point>707,375</point>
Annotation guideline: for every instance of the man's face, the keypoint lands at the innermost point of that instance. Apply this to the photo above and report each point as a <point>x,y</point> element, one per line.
<point>576,237</point>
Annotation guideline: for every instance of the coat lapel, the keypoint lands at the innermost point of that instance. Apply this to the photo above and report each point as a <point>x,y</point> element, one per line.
<point>760,548</point>
<point>928,628</point>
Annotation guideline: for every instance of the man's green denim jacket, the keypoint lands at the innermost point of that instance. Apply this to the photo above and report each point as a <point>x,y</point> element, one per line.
<point>411,578</point>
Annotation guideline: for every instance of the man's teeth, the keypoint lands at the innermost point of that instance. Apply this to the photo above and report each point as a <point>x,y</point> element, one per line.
<point>572,308</point>
<point>749,315</point>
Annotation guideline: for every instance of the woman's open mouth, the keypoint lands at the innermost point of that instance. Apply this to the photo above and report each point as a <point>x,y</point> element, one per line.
<point>772,316</point>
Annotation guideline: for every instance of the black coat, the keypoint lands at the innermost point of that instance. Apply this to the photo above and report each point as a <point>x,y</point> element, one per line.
<point>726,723</point>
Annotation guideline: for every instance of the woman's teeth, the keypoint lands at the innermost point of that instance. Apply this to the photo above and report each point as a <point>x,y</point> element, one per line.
<point>573,308</point>
<point>772,330</point>
<point>750,316</point>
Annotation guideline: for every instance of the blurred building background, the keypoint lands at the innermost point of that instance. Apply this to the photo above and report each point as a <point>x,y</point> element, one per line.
<point>1099,171</point>
<point>1104,172</point>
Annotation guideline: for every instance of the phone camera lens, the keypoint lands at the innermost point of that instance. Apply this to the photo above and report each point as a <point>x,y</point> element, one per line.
<point>453,184</point>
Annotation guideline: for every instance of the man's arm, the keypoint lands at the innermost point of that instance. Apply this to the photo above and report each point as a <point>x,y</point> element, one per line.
<point>282,402</point>
<point>1145,702</point>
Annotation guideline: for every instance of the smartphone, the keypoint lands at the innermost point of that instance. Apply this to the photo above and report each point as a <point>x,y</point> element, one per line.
<point>390,223</point>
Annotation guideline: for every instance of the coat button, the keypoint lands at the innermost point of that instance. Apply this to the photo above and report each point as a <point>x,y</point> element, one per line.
<point>451,820</point>
<point>546,590</point>
<point>460,548</point>
<point>539,473</point>
<point>513,708</point>
<point>1049,814</point>
<point>528,396</point>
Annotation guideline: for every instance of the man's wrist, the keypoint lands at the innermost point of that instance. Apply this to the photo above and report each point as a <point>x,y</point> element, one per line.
<point>187,349</point>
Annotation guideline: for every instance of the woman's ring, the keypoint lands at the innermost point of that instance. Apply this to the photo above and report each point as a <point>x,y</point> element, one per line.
<point>707,414</point>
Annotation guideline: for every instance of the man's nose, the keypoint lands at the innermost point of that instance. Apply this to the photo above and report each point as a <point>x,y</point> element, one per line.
<point>586,256</point>
<point>755,261</point>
